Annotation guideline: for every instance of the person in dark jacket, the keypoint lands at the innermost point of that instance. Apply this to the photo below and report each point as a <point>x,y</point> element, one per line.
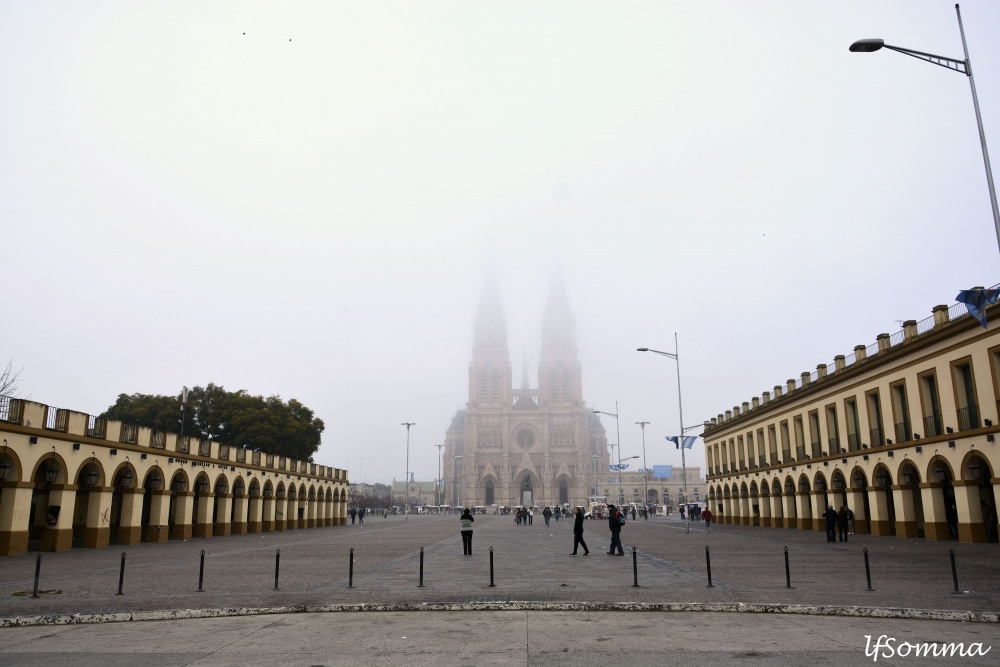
<point>466,520</point>
<point>578,534</point>
<point>831,523</point>
<point>843,523</point>
<point>616,530</point>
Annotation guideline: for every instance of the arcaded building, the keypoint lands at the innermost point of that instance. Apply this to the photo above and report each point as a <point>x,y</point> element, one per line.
<point>902,431</point>
<point>68,479</point>
<point>527,446</point>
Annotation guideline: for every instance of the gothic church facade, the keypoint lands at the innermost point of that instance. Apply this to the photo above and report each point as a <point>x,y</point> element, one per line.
<point>541,446</point>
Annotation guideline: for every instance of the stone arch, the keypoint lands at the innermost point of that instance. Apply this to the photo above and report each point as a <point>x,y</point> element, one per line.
<point>884,502</point>
<point>526,482</point>
<point>15,467</point>
<point>977,473</point>
<point>123,483</point>
<point>911,521</point>
<point>488,486</point>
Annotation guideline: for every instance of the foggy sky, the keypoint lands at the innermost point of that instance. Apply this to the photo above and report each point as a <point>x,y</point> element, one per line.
<point>302,199</point>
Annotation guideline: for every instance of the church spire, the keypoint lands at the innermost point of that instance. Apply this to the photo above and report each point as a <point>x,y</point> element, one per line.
<point>558,327</point>
<point>490,326</point>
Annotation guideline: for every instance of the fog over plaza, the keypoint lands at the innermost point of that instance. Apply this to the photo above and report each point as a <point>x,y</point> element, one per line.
<point>304,199</point>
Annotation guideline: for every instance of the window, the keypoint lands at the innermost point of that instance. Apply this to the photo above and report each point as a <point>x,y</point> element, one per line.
<point>800,439</point>
<point>762,459</point>
<point>482,386</point>
<point>832,429</point>
<point>786,454</point>
<point>815,439</point>
<point>772,444</point>
<point>751,456</point>
<point>900,412</point>
<point>853,425</point>
<point>875,418</point>
<point>742,451</point>
<point>732,454</point>
<point>930,404</point>
<point>965,395</point>
<point>496,386</point>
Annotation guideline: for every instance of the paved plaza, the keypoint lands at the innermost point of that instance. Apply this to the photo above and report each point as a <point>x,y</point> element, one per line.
<point>586,597</point>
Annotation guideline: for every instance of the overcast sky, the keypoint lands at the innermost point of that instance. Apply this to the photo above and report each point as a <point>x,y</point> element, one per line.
<point>302,198</point>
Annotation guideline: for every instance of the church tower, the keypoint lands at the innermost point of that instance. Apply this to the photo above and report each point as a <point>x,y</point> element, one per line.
<point>559,373</point>
<point>490,377</point>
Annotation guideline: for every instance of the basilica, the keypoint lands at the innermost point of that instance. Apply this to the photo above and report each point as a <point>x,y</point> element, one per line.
<point>529,446</point>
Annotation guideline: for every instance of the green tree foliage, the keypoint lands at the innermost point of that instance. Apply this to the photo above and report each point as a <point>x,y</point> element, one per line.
<point>235,418</point>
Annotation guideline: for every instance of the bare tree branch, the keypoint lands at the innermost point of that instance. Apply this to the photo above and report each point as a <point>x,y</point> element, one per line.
<point>10,380</point>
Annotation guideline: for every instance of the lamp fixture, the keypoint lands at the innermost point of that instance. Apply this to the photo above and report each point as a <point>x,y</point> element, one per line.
<point>941,472</point>
<point>975,469</point>
<point>125,481</point>
<point>154,482</point>
<point>91,477</point>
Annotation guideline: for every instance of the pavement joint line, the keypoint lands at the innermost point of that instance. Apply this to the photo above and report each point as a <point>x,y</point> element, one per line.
<point>513,605</point>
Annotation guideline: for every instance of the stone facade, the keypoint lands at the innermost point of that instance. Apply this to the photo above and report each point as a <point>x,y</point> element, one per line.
<point>530,445</point>
<point>68,479</point>
<point>902,431</point>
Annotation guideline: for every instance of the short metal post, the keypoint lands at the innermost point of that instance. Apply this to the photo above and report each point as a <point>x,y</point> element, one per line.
<point>421,584</point>
<point>121,576</point>
<point>868,571</point>
<point>350,571</point>
<point>277,564</point>
<point>635,570</point>
<point>38,569</point>
<point>201,573</point>
<point>954,570</point>
<point>788,572</point>
<point>492,585</point>
<point>708,563</point>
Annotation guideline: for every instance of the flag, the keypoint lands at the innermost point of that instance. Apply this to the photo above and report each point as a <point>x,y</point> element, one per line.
<point>411,477</point>
<point>623,466</point>
<point>976,301</point>
<point>688,440</point>
<point>615,467</point>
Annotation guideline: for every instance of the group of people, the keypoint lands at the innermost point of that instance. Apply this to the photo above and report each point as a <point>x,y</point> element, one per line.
<point>838,524</point>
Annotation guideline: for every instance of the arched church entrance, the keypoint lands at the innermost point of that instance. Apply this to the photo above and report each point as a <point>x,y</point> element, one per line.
<point>527,491</point>
<point>563,492</point>
<point>488,492</point>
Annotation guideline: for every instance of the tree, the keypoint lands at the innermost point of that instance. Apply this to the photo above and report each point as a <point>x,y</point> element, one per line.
<point>238,419</point>
<point>10,380</point>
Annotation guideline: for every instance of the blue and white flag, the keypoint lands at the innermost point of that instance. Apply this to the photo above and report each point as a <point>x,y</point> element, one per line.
<point>615,467</point>
<point>976,301</point>
<point>411,477</point>
<point>688,440</point>
<point>623,466</point>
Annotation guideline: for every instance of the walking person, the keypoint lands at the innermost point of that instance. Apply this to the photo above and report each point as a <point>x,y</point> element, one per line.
<point>706,514</point>
<point>546,514</point>
<point>633,514</point>
<point>843,523</point>
<point>831,523</point>
<point>531,515</point>
<point>361,515</point>
<point>615,521</point>
<point>353,513</point>
<point>466,520</point>
<point>578,534</point>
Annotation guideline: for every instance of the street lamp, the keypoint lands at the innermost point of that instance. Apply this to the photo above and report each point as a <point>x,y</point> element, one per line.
<point>458,476</point>
<point>618,433</point>
<point>680,417</point>
<point>594,458</point>
<point>437,484</point>
<point>962,66</point>
<point>645,469</point>
<point>406,477</point>
<point>621,493</point>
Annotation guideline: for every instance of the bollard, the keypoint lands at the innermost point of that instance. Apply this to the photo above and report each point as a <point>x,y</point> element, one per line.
<point>954,570</point>
<point>421,584</point>
<point>868,571</point>
<point>350,571</point>
<point>38,569</point>
<point>277,564</point>
<point>788,573</point>
<point>635,570</point>
<point>121,576</point>
<point>201,572</point>
<point>492,585</point>
<point>708,563</point>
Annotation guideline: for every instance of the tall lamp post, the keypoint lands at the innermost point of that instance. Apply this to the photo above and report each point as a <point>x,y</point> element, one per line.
<point>593,457</point>
<point>458,476</point>
<point>962,66</point>
<point>645,469</point>
<point>619,434</point>
<point>406,477</point>
<point>680,417</point>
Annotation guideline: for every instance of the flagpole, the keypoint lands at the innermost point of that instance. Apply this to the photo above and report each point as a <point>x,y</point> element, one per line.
<point>680,417</point>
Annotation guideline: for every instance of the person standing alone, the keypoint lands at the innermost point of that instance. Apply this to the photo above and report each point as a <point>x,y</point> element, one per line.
<point>466,520</point>
<point>578,534</point>
<point>615,521</point>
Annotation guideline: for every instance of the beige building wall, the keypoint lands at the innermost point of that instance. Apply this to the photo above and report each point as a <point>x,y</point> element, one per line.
<point>70,479</point>
<point>902,431</point>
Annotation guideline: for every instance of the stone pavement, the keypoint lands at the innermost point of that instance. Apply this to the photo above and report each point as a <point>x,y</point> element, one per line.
<point>531,565</point>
